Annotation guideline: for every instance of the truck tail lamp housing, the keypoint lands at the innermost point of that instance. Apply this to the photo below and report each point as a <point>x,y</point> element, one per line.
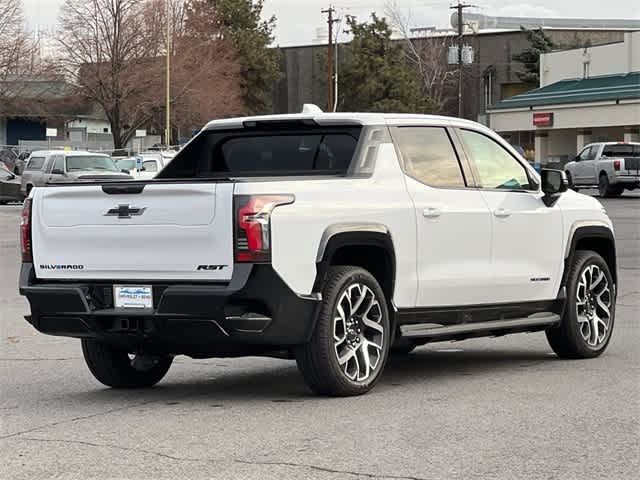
<point>616,165</point>
<point>25,232</point>
<point>253,226</point>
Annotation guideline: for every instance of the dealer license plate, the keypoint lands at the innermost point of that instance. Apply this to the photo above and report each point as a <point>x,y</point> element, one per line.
<point>132,296</point>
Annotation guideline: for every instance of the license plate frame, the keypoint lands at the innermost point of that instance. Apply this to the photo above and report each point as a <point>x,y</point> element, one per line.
<point>133,297</point>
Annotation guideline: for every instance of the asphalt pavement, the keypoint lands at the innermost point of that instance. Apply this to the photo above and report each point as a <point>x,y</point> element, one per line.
<point>503,408</point>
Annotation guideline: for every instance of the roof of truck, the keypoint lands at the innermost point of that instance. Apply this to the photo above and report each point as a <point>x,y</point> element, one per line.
<point>337,119</point>
<point>68,153</point>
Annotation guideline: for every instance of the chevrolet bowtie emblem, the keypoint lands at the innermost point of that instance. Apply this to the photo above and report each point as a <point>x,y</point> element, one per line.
<point>125,211</point>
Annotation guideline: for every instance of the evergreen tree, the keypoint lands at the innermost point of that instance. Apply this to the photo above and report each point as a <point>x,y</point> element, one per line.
<point>376,77</point>
<point>539,43</point>
<point>252,37</point>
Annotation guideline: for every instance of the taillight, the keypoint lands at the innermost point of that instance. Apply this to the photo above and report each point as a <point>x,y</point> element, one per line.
<point>616,164</point>
<point>25,232</point>
<point>253,225</point>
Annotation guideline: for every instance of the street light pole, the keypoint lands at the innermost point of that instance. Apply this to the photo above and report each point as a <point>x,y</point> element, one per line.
<point>167,133</point>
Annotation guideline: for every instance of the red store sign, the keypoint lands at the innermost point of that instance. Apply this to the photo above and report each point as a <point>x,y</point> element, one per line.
<point>541,119</point>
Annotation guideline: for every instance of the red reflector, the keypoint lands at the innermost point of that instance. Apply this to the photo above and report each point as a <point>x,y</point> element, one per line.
<point>253,225</point>
<point>25,232</point>
<point>616,164</point>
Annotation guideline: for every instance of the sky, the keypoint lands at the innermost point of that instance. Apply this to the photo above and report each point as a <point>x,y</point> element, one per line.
<point>298,20</point>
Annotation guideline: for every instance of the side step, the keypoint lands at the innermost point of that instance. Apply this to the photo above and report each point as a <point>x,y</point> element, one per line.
<point>430,330</point>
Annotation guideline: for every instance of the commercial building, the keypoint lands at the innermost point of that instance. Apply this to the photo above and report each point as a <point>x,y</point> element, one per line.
<point>586,95</point>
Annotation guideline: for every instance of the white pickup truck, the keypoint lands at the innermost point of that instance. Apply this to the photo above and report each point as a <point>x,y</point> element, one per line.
<point>612,167</point>
<point>334,239</point>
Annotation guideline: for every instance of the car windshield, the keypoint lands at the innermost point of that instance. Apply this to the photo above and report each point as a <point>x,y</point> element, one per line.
<point>90,162</point>
<point>126,163</point>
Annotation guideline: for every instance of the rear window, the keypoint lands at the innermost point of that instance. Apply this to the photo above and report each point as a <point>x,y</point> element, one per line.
<point>621,150</point>
<point>35,163</point>
<point>249,152</point>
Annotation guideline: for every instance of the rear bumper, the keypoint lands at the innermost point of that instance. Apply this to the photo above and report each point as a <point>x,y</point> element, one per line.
<point>629,181</point>
<point>254,312</point>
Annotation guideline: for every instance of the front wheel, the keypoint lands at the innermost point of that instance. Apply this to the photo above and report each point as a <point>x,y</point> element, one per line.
<point>570,181</point>
<point>120,369</point>
<point>350,345</point>
<point>585,329</point>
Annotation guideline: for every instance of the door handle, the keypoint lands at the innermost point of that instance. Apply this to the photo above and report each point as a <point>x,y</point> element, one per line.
<point>502,213</point>
<point>431,212</point>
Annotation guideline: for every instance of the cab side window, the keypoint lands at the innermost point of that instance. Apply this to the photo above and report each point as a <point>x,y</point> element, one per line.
<point>496,167</point>
<point>58,164</point>
<point>429,157</point>
<point>150,166</point>
<point>589,153</point>
<point>35,163</point>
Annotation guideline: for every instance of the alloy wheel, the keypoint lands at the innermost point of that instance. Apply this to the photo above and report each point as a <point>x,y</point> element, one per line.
<point>358,333</point>
<point>593,306</point>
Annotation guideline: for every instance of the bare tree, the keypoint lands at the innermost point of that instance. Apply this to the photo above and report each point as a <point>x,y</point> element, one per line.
<point>428,56</point>
<point>114,50</point>
<point>16,52</point>
<point>14,40</point>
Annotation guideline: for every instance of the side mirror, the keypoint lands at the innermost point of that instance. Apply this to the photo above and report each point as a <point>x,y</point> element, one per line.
<point>57,171</point>
<point>124,170</point>
<point>554,184</point>
<point>576,158</point>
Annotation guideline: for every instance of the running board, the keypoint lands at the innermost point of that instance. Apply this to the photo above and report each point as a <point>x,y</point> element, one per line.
<point>431,330</point>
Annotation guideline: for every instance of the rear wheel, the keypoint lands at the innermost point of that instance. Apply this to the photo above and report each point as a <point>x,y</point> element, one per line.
<point>589,315</point>
<point>350,344</point>
<point>606,189</point>
<point>120,369</point>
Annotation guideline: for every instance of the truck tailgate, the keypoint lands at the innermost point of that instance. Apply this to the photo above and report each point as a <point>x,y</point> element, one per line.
<point>167,231</point>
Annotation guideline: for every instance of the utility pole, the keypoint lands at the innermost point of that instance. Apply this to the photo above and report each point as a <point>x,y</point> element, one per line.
<point>330,92</point>
<point>167,132</point>
<point>460,7</point>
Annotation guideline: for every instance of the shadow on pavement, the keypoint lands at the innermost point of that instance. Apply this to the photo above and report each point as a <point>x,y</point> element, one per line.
<point>281,382</point>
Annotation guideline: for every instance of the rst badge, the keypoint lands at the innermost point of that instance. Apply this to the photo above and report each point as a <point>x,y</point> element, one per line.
<point>210,268</point>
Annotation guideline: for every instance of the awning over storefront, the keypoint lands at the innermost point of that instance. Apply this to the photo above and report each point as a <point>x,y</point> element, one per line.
<point>585,90</point>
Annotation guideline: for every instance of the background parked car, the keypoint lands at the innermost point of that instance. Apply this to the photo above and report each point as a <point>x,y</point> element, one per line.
<point>9,187</point>
<point>145,166</point>
<point>52,166</point>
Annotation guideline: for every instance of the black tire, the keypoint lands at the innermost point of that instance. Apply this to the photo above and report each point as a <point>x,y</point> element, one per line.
<point>571,184</point>
<point>606,189</point>
<point>566,339</point>
<point>114,368</point>
<point>318,359</point>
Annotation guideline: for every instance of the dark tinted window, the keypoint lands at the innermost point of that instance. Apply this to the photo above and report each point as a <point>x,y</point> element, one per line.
<point>35,163</point>
<point>496,167</point>
<point>266,153</point>
<point>621,150</point>
<point>429,157</point>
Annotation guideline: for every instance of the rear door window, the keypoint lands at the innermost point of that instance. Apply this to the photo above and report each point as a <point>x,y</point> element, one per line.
<point>280,152</point>
<point>429,157</point>
<point>36,163</point>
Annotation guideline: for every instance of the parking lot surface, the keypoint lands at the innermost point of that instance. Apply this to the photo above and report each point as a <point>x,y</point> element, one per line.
<point>502,408</point>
